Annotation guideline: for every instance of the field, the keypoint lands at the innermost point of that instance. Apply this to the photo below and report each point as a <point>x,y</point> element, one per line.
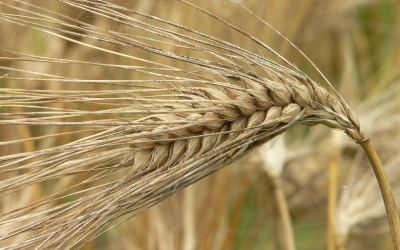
<point>310,187</point>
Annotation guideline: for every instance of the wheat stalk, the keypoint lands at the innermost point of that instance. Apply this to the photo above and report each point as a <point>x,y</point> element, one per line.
<point>166,132</point>
<point>273,156</point>
<point>360,202</point>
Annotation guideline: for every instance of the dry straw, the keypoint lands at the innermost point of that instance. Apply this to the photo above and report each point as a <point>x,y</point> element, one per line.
<point>360,201</point>
<point>273,156</point>
<point>148,138</point>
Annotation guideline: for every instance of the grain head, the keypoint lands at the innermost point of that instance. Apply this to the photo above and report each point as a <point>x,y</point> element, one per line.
<point>151,136</point>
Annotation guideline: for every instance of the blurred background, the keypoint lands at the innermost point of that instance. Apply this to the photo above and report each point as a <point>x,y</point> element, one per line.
<point>328,187</point>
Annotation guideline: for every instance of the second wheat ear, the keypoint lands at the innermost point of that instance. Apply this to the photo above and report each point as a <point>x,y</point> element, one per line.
<point>184,124</point>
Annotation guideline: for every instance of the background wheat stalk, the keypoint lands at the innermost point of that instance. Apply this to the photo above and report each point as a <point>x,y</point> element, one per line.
<point>273,156</point>
<point>147,139</point>
<point>351,214</point>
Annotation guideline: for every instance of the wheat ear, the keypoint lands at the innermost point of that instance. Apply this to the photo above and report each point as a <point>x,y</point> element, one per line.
<point>183,124</point>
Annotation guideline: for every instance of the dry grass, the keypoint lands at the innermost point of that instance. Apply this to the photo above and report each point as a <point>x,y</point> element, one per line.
<point>202,104</point>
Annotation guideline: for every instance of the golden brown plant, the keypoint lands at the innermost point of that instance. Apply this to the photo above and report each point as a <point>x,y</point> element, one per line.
<point>147,138</point>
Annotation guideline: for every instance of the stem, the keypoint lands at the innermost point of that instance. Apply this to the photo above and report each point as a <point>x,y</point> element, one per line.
<point>288,237</point>
<point>236,216</point>
<point>390,205</point>
<point>332,199</point>
<point>189,239</point>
